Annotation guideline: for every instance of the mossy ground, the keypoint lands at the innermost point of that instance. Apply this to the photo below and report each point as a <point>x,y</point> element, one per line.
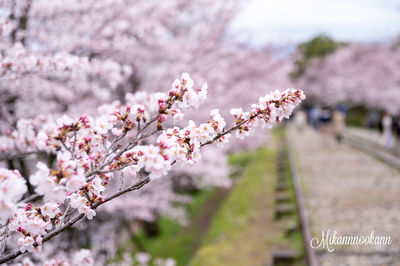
<point>180,242</point>
<point>240,231</point>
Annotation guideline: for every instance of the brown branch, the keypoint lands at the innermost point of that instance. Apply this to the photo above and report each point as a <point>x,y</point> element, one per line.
<point>5,156</point>
<point>226,132</point>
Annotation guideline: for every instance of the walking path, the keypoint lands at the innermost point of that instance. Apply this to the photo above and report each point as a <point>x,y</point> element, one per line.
<point>349,192</point>
<point>372,136</point>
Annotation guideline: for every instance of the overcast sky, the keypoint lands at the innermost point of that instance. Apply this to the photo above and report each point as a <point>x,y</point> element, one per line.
<point>291,21</point>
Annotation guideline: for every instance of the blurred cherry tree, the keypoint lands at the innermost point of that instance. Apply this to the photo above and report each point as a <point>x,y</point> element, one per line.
<point>106,59</point>
<point>352,73</point>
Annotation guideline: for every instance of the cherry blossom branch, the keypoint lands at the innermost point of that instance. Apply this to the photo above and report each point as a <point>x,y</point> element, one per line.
<point>128,146</point>
<point>15,253</point>
<point>219,136</point>
<point>65,213</point>
<point>86,159</point>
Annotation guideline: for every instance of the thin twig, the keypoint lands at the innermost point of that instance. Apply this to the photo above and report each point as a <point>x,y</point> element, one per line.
<point>74,145</point>
<point>65,213</point>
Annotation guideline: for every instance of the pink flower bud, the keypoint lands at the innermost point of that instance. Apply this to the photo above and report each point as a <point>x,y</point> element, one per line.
<point>162,118</point>
<point>28,207</point>
<point>161,104</point>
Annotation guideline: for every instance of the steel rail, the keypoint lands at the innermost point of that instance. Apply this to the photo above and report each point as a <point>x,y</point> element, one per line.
<point>311,258</point>
<point>374,150</point>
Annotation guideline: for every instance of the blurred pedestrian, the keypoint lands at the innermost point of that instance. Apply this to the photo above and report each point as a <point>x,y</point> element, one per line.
<point>313,115</point>
<point>338,124</point>
<point>324,120</point>
<point>342,108</point>
<point>300,120</point>
<point>397,125</point>
<point>372,119</point>
<point>387,129</point>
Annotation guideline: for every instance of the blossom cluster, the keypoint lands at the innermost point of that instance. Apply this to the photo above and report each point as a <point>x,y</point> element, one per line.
<point>12,188</point>
<point>81,257</point>
<point>356,74</point>
<point>33,223</point>
<point>18,61</point>
<point>145,259</point>
<point>90,149</point>
<point>110,71</point>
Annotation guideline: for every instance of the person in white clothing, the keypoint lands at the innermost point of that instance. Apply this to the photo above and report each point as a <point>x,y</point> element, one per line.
<point>387,130</point>
<point>300,120</point>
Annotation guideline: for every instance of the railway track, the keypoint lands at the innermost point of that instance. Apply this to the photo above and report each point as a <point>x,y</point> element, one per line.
<point>312,257</point>
<point>351,193</point>
<point>301,206</point>
<point>284,207</point>
<point>390,156</point>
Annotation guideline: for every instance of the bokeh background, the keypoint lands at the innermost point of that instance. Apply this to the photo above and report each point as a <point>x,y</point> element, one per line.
<point>239,205</point>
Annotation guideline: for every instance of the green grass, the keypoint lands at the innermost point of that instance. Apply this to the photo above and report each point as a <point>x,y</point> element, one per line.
<point>171,243</point>
<point>174,240</point>
<point>199,200</point>
<point>243,159</point>
<point>238,233</point>
<point>356,116</point>
<point>296,239</point>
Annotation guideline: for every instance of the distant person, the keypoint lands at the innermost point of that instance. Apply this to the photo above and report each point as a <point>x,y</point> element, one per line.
<point>324,120</point>
<point>372,119</point>
<point>338,124</point>
<point>313,115</point>
<point>387,129</point>
<point>300,120</point>
<point>342,108</point>
<point>397,125</point>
